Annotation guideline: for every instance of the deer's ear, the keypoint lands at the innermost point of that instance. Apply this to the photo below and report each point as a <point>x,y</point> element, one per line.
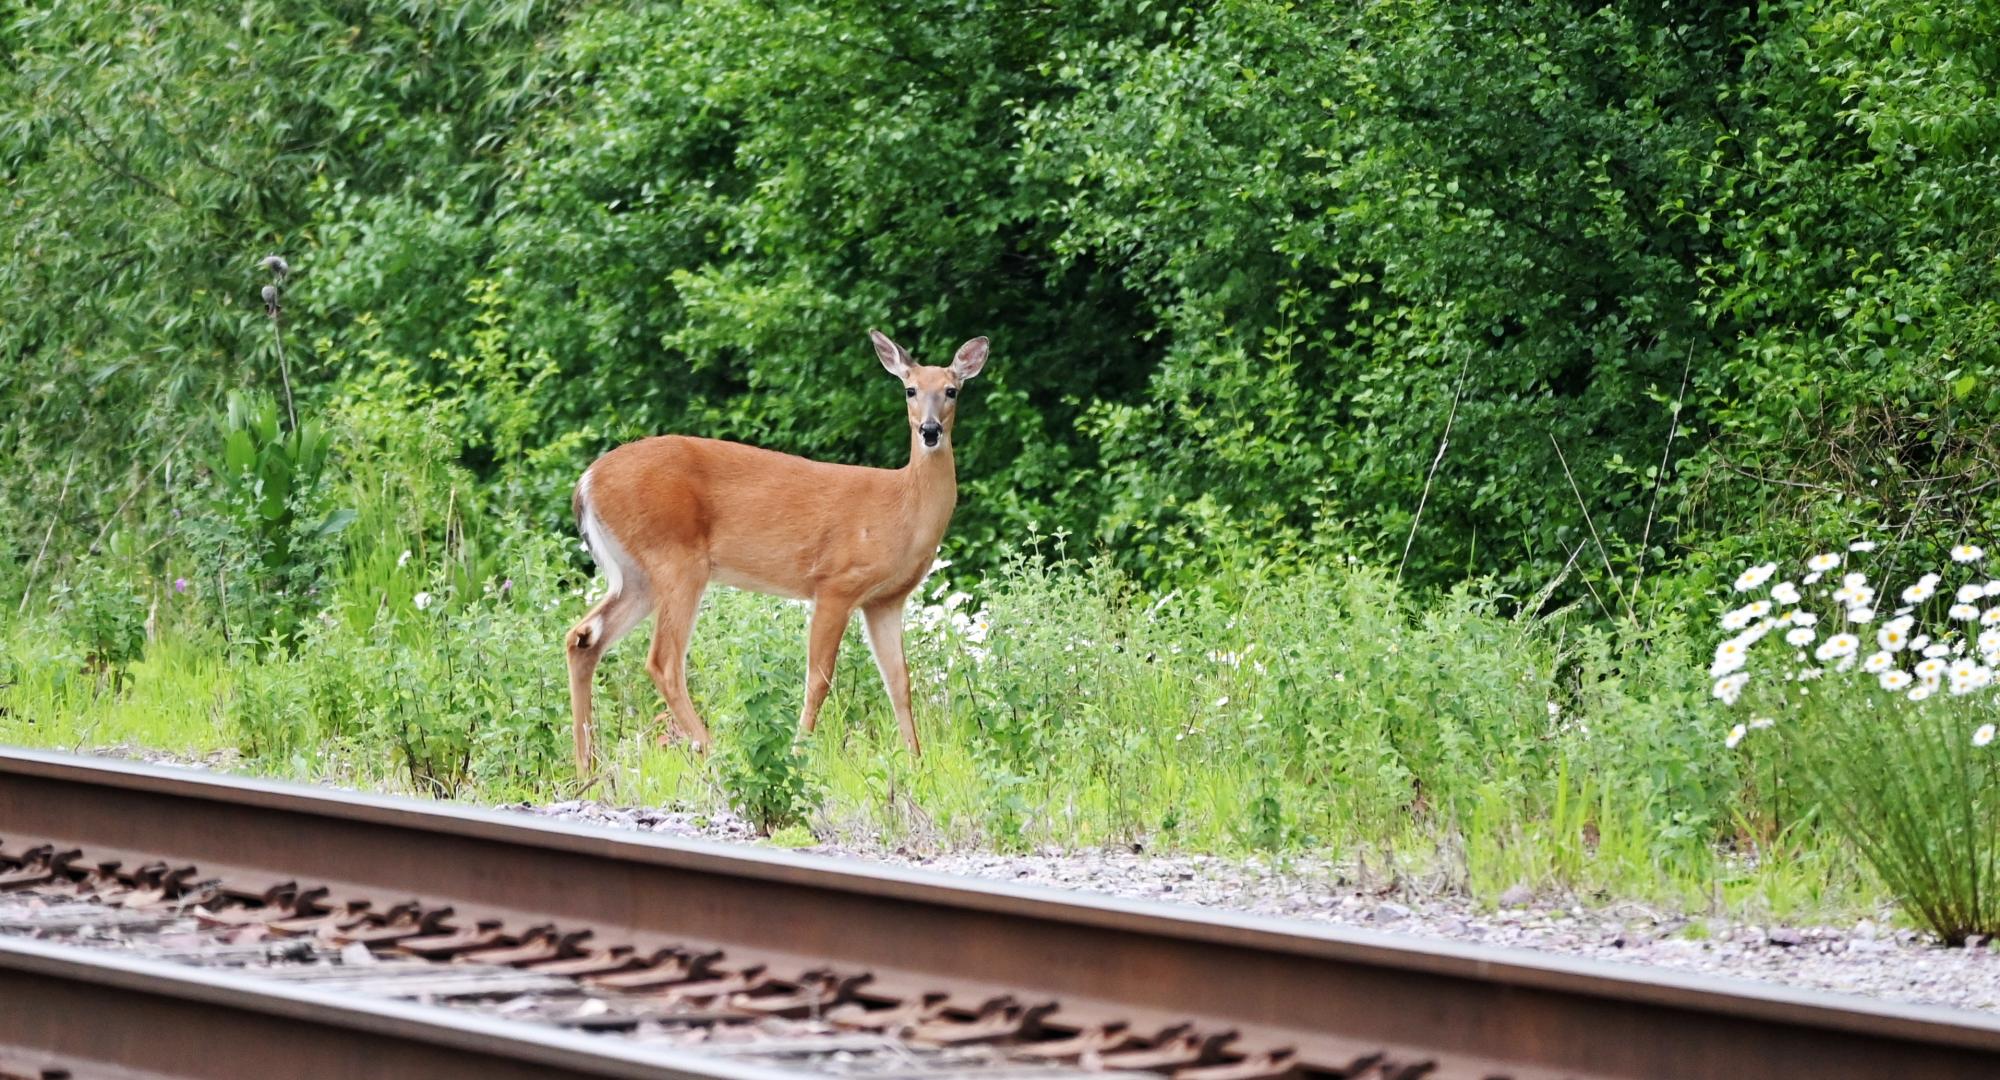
<point>971,357</point>
<point>891,354</point>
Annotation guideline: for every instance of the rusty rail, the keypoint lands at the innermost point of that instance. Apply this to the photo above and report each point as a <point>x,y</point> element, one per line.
<point>1334,996</point>
<point>70,1012</point>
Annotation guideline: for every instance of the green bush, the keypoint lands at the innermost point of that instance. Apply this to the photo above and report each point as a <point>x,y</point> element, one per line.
<point>265,532</point>
<point>100,608</point>
<point>760,767</point>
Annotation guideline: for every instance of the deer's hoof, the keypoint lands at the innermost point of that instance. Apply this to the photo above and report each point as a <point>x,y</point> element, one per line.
<point>670,734</point>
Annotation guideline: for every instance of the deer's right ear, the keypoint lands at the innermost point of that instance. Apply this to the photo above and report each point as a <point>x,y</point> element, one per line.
<point>891,354</point>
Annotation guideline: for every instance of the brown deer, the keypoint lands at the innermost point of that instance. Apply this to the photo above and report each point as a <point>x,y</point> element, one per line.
<point>665,516</point>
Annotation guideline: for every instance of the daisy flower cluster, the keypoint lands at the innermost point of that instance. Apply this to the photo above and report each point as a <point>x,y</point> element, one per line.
<point>945,610</point>
<point>1830,618</point>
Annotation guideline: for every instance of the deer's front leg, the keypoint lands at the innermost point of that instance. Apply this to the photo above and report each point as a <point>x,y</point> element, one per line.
<point>885,638</point>
<point>829,622</point>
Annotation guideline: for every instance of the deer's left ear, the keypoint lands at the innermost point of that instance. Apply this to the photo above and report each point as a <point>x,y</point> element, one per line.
<point>891,354</point>
<point>971,357</point>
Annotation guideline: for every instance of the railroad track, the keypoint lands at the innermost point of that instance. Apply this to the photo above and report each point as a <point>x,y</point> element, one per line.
<point>158,922</point>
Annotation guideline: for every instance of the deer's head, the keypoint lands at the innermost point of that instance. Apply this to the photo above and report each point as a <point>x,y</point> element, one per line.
<point>931,393</point>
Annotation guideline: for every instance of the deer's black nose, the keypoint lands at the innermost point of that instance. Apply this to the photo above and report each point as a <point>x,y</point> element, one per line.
<point>931,430</point>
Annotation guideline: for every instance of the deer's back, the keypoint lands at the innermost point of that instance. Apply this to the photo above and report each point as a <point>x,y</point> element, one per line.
<point>763,520</point>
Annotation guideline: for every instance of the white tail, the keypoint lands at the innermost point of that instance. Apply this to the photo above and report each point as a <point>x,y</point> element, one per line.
<point>665,516</point>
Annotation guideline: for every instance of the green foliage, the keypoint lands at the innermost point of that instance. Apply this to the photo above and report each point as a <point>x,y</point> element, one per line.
<point>105,614</point>
<point>1243,262</point>
<point>761,767</point>
<point>458,691</point>
<point>265,531</point>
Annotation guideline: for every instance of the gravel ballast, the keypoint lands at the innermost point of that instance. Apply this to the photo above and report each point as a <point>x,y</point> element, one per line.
<point>1876,962</point>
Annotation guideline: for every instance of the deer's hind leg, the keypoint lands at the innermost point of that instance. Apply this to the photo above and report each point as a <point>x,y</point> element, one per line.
<point>677,600</point>
<point>612,618</point>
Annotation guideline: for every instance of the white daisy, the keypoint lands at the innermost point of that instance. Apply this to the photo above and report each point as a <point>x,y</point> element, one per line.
<point>1989,640</point>
<point>1920,692</point>
<point>1745,615</point>
<point>1799,636</point>
<point>1990,616</point>
<point>1983,736</point>
<point>1892,638</point>
<point>1784,592</point>
<point>1730,687</point>
<point>1837,646</point>
<point>1759,723</point>
<point>1967,553</point>
<point>1920,642</point>
<point>1893,680</point>
<point>1862,545</point>
<point>1861,614</point>
<point>1855,580</point>
<point>1736,736</point>
<point>1963,612</point>
<point>1992,588</point>
<point>1878,663</point>
<point>1729,657</point>
<point>1937,649</point>
<point>1755,576</point>
<point>1802,618</point>
<point>1823,563</point>
<point>422,600</point>
<point>1931,670</point>
<point>1969,594</point>
<point>1811,579</point>
<point>1918,593</point>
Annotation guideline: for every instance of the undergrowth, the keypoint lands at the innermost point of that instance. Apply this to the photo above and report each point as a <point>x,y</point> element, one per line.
<point>1310,713</point>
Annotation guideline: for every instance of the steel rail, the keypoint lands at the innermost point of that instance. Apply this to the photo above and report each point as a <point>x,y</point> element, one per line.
<point>95,1013</point>
<point>1333,993</point>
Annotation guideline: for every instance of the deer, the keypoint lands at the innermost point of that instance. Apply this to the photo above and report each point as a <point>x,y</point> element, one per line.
<point>666,516</point>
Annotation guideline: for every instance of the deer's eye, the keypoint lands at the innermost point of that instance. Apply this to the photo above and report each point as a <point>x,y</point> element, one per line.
<point>951,391</point>
<point>909,391</point>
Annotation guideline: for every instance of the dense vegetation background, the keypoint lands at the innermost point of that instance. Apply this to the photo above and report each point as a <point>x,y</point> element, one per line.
<point>1378,391</point>
<point>1239,259</point>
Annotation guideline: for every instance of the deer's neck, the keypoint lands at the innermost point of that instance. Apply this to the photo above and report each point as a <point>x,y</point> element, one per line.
<point>932,486</point>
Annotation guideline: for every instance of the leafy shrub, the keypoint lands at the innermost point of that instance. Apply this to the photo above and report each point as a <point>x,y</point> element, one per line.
<point>100,608</point>
<point>760,767</point>
<point>451,690</point>
<point>266,529</point>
